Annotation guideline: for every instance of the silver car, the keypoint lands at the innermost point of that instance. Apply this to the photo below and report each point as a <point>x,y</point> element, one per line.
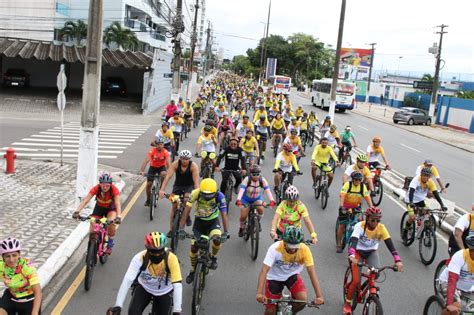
<point>411,116</point>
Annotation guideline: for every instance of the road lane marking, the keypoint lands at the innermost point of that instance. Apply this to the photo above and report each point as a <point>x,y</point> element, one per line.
<point>65,145</point>
<point>80,277</point>
<point>362,127</point>
<point>408,147</point>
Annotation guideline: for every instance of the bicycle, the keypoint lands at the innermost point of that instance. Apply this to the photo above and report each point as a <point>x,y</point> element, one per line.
<point>278,139</point>
<point>96,247</point>
<point>154,196</point>
<point>345,156</point>
<point>285,304</point>
<point>304,139</point>
<point>176,219</point>
<point>353,216</point>
<point>229,185</point>
<point>262,144</point>
<point>443,264</point>
<point>322,187</point>
<point>202,269</point>
<point>423,229</point>
<point>206,169</point>
<point>436,304</point>
<point>197,117</point>
<point>368,292</point>
<point>280,190</point>
<point>175,149</point>
<point>377,194</point>
<point>252,229</point>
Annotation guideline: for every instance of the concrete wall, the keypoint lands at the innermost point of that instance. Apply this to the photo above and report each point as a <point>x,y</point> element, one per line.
<point>157,83</point>
<point>456,113</point>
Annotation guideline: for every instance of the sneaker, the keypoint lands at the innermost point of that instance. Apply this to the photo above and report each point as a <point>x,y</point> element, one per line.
<point>241,232</point>
<point>169,234</point>
<point>147,203</point>
<point>338,250</point>
<point>213,264</point>
<point>347,309</point>
<point>189,221</point>
<point>190,277</point>
<point>110,246</point>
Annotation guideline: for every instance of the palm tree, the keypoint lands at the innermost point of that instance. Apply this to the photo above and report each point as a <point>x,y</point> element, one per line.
<point>427,77</point>
<point>123,37</point>
<point>73,30</point>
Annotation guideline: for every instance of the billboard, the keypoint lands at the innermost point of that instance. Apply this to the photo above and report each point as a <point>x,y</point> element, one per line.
<point>356,57</point>
<point>271,67</point>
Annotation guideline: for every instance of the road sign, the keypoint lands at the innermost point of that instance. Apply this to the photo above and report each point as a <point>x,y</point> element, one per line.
<point>425,85</point>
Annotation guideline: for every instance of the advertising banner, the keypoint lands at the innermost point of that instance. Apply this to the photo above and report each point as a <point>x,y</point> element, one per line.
<point>271,67</point>
<point>356,57</point>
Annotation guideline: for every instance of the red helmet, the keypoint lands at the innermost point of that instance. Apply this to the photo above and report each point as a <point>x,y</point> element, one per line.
<point>287,147</point>
<point>373,211</point>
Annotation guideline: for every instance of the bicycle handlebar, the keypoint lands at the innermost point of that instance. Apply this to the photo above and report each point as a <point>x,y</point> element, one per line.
<point>92,219</point>
<point>372,269</point>
<point>193,237</point>
<point>289,300</point>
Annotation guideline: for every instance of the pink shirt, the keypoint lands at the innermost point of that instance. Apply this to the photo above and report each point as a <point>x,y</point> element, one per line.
<point>170,109</point>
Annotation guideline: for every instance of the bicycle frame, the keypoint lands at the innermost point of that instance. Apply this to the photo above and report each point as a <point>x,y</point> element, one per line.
<point>349,223</point>
<point>369,287</point>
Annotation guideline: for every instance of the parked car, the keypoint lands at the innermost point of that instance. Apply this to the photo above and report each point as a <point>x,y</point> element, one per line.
<point>16,77</point>
<point>114,85</point>
<point>411,116</point>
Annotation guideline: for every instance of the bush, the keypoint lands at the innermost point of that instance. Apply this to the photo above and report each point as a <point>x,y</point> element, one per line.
<point>410,101</point>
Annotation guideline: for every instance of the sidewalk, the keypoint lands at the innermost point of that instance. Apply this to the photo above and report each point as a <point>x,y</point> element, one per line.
<point>37,202</point>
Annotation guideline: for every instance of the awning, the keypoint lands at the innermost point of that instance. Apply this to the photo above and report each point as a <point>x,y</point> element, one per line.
<point>33,49</point>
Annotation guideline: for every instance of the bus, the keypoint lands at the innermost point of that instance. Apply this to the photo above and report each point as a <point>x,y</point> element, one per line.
<point>345,94</point>
<point>280,84</point>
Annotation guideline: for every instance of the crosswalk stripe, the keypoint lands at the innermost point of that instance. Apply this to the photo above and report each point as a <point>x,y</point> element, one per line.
<point>70,141</point>
<point>102,134</point>
<point>58,150</point>
<point>77,138</point>
<point>108,128</point>
<point>102,131</point>
<point>64,155</point>
<point>65,145</point>
<point>111,125</point>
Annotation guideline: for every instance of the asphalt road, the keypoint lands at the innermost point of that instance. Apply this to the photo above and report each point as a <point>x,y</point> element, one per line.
<point>231,288</point>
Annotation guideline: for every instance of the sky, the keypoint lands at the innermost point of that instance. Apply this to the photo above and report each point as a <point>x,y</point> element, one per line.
<point>402,28</point>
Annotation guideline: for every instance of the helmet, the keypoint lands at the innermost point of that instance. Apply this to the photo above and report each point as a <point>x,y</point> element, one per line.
<point>210,122</point>
<point>287,147</point>
<point>333,127</point>
<point>357,176</point>
<point>180,98</point>
<point>255,169</point>
<point>245,116</point>
<point>294,131</point>
<point>373,211</point>
<point>10,245</point>
<point>211,107</point>
<point>262,117</point>
<point>221,103</point>
<point>105,178</point>
<point>327,117</point>
<point>292,193</point>
<point>207,128</point>
<point>293,118</point>
<point>261,107</point>
<point>176,112</point>
<point>185,154</point>
<point>160,140</point>
<point>155,240</point>
<point>426,171</point>
<point>362,158</point>
<point>428,162</point>
<point>292,235</point>
<point>208,189</point>
<point>348,128</point>
<point>469,241</point>
<point>376,139</point>
<point>165,123</point>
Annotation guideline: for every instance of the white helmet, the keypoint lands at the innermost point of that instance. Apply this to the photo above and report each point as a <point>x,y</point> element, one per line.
<point>185,154</point>
<point>292,193</point>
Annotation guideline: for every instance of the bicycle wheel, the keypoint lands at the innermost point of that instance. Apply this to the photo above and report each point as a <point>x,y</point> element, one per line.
<point>427,245</point>
<point>247,229</point>
<point>198,288</point>
<point>304,141</point>
<point>228,191</point>
<point>174,235</point>
<point>378,189</point>
<point>254,238</point>
<point>372,306</point>
<point>434,306</point>
<point>335,231</point>
<point>277,196</point>
<point>439,270</point>
<point>347,281</point>
<point>153,199</point>
<point>324,196</point>
<point>90,263</point>
<point>407,241</point>
<point>317,190</point>
<point>103,243</point>
<point>206,172</point>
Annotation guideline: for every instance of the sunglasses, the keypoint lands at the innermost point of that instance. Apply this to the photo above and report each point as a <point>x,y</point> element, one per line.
<point>255,174</point>
<point>374,220</point>
<point>155,251</point>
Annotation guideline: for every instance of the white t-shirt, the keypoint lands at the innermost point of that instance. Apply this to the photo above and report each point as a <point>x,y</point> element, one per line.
<point>285,164</point>
<point>463,223</point>
<point>374,156</point>
<point>242,129</point>
<point>421,190</point>
<point>369,240</point>
<point>177,127</point>
<point>291,127</point>
<point>331,139</point>
<point>458,266</point>
<point>283,265</point>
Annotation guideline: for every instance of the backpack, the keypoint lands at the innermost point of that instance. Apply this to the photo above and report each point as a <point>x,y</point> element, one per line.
<point>361,192</point>
<point>260,182</point>
<point>146,260</point>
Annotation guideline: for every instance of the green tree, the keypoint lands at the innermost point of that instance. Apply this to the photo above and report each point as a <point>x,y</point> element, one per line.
<point>427,77</point>
<point>124,38</point>
<point>74,30</point>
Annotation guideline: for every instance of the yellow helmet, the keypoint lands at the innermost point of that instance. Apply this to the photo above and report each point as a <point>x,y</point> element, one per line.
<point>208,186</point>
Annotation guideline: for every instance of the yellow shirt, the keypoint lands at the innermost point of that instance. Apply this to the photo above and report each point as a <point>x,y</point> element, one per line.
<point>168,134</point>
<point>285,161</point>
<point>353,198</point>
<point>275,109</point>
<point>365,171</point>
<point>322,155</point>
<point>278,124</point>
<point>248,145</point>
<point>299,112</point>
<point>213,131</point>
<point>257,115</point>
<point>304,125</point>
<point>188,110</point>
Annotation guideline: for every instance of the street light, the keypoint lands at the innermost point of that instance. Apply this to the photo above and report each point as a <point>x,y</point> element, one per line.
<point>398,68</point>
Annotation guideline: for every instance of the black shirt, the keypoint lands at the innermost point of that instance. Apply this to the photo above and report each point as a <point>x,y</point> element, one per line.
<point>232,157</point>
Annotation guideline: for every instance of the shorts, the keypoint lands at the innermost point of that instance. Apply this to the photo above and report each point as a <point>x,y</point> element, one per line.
<point>181,190</point>
<point>248,201</point>
<point>347,144</point>
<point>460,296</point>
<point>278,131</point>
<point>13,307</point>
<point>344,215</point>
<point>206,227</point>
<point>374,164</point>
<point>154,171</point>
<point>101,212</point>
<point>186,116</point>
<point>274,288</point>
<point>323,166</point>
<point>263,136</point>
<point>420,204</point>
<point>204,154</point>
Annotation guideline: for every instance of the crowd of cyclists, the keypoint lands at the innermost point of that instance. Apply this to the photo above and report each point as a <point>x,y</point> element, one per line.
<point>233,142</point>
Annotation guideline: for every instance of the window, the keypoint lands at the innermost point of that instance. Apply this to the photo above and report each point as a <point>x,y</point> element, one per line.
<point>62,9</point>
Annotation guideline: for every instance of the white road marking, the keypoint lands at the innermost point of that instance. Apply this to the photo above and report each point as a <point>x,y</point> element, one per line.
<point>361,127</point>
<point>408,147</point>
<point>57,150</point>
<point>66,145</point>
<point>64,155</point>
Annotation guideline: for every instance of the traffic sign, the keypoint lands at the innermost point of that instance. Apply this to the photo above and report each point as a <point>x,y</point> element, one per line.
<point>425,85</point>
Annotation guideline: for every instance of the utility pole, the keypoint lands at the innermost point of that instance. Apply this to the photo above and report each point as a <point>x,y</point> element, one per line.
<point>178,28</point>
<point>89,132</point>
<point>266,37</point>
<point>206,53</point>
<point>434,91</point>
<point>193,47</point>
<point>370,71</point>
<point>261,53</point>
<point>335,76</point>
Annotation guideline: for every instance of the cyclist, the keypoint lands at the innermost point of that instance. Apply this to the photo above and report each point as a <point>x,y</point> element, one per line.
<point>350,198</point>
<point>287,115</point>
<point>325,125</point>
<point>294,125</point>
<point>180,103</point>
<point>290,212</point>
<point>23,291</point>
<point>249,145</point>
<point>237,114</point>
<point>374,151</point>
<point>273,111</point>
<point>283,263</point>
<point>186,179</point>
<point>250,193</point>
<point>244,126</point>
<point>213,131</point>
<point>212,115</point>
<point>346,137</point>
<point>262,131</point>
<point>232,156</point>
<point>170,109</point>
<point>459,276</point>
<point>224,126</point>
<point>463,228</point>
<point>304,125</point>
<point>287,104</point>
<point>197,106</point>
<point>208,202</point>
<point>363,246</point>
<point>278,129</point>
<point>268,102</point>
<point>220,110</point>
<point>313,119</point>
<point>258,113</point>
<point>419,188</point>
<point>334,139</point>
<point>154,275</point>
<point>167,136</point>
<point>360,167</point>
<point>320,159</point>
<point>434,171</point>
<point>207,142</point>
<point>299,112</point>
<point>159,159</point>
<point>107,204</point>
<point>285,163</point>
<point>188,114</point>
<point>295,141</point>
<point>176,124</point>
